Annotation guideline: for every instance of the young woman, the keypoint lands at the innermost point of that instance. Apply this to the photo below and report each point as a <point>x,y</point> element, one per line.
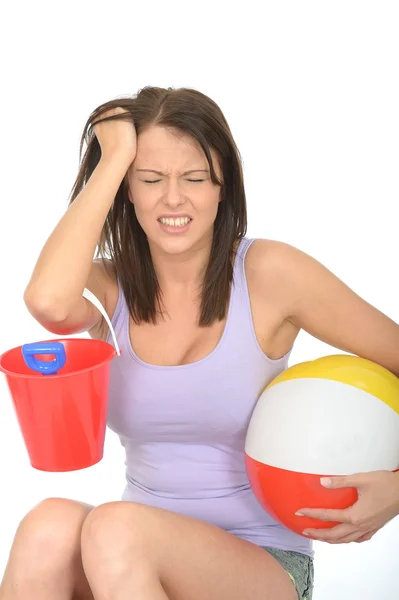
<point>205,318</point>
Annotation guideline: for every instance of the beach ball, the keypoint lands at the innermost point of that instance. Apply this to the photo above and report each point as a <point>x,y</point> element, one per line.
<point>336,415</point>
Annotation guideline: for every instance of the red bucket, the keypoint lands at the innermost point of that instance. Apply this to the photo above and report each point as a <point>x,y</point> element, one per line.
<point>59,390</point>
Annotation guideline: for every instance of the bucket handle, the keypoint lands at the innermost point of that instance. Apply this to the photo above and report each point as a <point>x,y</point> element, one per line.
<point>29,352</point>
<point>94,300</point>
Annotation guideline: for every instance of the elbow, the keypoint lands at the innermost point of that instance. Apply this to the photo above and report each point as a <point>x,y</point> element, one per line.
<point>43,308</point>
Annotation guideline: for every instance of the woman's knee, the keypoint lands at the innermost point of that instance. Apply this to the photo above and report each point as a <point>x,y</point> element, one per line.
<point>111,528</point>
<point>113,543</point>
<point>49,534</point>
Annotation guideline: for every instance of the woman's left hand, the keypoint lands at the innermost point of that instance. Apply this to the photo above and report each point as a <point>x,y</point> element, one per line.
<point>378,503</point>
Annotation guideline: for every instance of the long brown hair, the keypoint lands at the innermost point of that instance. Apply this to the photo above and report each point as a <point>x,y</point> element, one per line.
<point>190,112</point>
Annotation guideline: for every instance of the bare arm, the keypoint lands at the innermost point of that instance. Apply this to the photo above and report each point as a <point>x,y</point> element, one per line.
<point>65,265</point>
<point>315,300</point>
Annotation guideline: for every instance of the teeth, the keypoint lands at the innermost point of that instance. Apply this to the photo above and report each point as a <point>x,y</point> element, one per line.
<point>175,222</point>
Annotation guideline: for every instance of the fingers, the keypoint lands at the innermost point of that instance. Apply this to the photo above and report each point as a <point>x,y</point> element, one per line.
<point>109,113</point>
<point>340,534</point>
<point>343,481</point>
<point>326,514</point>
<point>367,536</point>
<point>333,535</point>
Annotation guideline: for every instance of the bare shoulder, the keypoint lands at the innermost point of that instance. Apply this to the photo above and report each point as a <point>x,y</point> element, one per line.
<point>271,254</point>
<point>284,263</point>
<point>268,267</point>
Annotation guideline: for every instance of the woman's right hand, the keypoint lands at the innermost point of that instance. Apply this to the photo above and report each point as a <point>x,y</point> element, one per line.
<point>116,136</point>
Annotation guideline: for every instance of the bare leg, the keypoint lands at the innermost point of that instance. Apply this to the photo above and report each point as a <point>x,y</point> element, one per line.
<point>136,551</point>
<point>45,558</point>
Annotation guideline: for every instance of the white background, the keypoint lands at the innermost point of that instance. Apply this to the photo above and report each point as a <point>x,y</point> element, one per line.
<point>310,90</point>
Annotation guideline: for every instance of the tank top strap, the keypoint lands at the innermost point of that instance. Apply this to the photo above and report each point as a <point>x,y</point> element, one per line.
<point>239,319</point>
<point>239,269</point>
<point>240,288</point>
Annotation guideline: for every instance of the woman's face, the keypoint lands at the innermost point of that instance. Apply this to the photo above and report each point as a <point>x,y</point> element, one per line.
<point>176,208</point>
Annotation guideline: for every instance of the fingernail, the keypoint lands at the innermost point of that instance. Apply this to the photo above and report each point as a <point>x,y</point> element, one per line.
<point>325,481</point>
<point>299,514</point>
<point>304,533</point>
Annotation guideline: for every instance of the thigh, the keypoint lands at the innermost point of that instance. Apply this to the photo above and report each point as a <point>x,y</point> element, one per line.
<point>193,559</point>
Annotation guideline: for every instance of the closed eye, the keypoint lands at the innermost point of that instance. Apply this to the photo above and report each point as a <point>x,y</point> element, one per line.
<point>192,180</point>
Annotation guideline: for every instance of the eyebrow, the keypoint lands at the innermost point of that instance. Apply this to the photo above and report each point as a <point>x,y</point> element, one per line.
<point>185,173</point>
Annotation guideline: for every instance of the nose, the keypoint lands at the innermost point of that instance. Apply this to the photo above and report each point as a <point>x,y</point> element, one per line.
<point>173,196</point>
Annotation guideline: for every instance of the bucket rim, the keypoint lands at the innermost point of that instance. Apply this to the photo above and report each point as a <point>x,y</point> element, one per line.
<point>35,375</point>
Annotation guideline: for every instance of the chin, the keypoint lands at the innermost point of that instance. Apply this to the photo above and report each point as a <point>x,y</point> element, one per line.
<point>175,244</point>
<point>172,245</point>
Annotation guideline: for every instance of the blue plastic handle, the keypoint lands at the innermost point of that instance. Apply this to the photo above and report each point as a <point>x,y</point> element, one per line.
<point>41,366</point>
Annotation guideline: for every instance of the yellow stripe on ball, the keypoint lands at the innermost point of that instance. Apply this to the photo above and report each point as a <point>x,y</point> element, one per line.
<point>352,370</point>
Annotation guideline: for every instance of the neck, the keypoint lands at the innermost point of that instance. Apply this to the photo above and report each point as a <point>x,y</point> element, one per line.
<point>182,272</point>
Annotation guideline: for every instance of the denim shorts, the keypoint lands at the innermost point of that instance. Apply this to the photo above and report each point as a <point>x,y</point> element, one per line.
<point>299,567</point>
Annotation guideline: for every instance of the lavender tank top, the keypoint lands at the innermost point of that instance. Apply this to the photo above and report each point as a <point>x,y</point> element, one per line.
<point>183,427</point>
